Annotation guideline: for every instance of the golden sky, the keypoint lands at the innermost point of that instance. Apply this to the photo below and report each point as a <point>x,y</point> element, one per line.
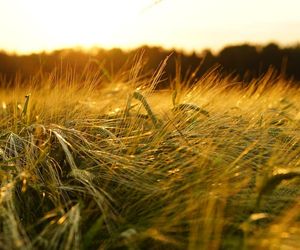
<point>36,25</point>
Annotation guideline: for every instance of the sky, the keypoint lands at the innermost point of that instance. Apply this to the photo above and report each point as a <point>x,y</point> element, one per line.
<point>28,26</point>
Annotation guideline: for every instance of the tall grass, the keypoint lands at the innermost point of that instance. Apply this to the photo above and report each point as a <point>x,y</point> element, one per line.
<point>121,166</point>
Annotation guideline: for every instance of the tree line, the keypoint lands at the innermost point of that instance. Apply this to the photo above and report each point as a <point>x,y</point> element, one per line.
<point>244,61</point>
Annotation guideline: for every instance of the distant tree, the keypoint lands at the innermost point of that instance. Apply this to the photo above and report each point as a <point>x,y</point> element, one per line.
<point>271,55</point>
<point>208,60</point>
<point>292,58</point>
<point>241,59</point>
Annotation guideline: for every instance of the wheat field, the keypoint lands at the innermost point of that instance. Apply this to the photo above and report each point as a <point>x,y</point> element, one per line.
<point>208,164</point>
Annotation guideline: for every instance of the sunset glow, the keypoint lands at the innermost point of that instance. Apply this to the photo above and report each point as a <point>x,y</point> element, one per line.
<point>34,25</point>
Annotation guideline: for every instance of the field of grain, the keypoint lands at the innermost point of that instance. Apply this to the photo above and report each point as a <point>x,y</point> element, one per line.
<point>213,165</point>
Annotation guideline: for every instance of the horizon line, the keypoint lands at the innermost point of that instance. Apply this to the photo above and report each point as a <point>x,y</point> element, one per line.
<point>90,49</point>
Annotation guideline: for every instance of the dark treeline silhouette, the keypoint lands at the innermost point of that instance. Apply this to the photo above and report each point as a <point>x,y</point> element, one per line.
<point>244,61</point>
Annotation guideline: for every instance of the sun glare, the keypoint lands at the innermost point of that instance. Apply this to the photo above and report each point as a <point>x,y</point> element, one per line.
<point>79,23</point>
<point>34,25</point>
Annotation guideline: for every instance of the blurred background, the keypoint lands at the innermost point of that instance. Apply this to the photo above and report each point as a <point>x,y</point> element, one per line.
<point>244,38</point>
